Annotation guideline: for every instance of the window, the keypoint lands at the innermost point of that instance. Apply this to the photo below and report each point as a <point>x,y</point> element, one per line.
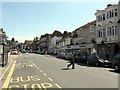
<point>100,32</point>
<point>115,12</point>
<point>112,14</point>
<point>115,30</point>
<point>112,30</point>
<point>91,29</point>
<point>107,15</point>
<point>103,17</point>
<point>108,31</point>
<point>100,17</point>
<point>103,32</point>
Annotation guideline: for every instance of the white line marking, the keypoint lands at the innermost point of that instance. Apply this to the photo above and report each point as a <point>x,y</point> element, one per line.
<point>44,74</point>
<point>38,68</point>
<point>50,79</point>
<point>58,86</point>
<point>41,71</point>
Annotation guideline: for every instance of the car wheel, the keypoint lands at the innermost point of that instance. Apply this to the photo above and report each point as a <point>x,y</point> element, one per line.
<point>96,64</point>
<point>116,68</point>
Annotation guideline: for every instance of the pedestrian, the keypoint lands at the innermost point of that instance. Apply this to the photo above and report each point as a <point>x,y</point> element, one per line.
<point>46,53</point>
<point>72,62</point>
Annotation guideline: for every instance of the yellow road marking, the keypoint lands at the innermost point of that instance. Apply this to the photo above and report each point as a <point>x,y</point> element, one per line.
<point>41,71</point>
<point>50,79</point>
<point>44,74</point>
<point>58,86</point>
<point>38,68</point>
<point>7,80</point>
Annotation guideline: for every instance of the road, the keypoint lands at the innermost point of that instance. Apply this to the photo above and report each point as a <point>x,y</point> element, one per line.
<point>39,71</point>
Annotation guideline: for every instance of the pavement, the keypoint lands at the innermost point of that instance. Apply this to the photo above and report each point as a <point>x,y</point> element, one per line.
<point>6,69</point>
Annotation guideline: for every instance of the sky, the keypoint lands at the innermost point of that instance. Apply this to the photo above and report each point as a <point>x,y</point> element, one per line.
<point>26,20</point>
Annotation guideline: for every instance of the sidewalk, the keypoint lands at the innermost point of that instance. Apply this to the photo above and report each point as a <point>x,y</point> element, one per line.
<point>5,70</point>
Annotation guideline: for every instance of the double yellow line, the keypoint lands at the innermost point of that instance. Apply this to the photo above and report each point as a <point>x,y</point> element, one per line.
<point>7,80</point>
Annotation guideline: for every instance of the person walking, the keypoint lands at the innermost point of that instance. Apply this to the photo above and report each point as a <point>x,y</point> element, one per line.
<point>46,53</point>
<point>72,62</point>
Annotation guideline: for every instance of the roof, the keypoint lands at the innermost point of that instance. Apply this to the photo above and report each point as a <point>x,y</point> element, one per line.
<point>45,35</point>
<point>56,33</point>
<point>28,42</point>
<point>86,25</point>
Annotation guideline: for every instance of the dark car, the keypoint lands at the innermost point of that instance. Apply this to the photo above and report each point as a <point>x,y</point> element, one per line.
<point>85,56</point>
<point>97,60</point>
<point>116,62</point>
<point>61,54</point>
<point>23,51</point>
<point>68,56</point>
<point>80,56</point>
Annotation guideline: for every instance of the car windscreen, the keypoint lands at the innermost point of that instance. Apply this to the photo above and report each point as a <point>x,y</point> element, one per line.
<point>101,56</point>
<point>117,56</point>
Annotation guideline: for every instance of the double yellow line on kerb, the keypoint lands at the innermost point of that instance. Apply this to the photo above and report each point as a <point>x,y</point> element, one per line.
<point>7,80</point>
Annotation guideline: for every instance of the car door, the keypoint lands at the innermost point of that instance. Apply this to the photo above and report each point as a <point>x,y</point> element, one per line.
<point>94,59</point>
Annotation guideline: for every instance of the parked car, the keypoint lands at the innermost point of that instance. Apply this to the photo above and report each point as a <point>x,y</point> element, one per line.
<point>97,60</point>
<point>40,52</point>
<point>85,56</point>
<point>81,56</point>
<point>68,56</point>
<point>14,52</point>
<point>116,62</point>
<point>23,51</point>
<point>61,54</point>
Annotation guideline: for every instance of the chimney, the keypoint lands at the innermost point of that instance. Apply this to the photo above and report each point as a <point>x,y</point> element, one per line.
<point>109,5</point>
<point>1,29</point>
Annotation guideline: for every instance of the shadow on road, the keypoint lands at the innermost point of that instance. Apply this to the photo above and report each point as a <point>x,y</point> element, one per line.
<point>114,71</point>
<point>83,64</point>
<point>66,69</point>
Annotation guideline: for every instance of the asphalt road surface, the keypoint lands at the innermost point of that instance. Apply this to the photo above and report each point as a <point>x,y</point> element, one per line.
<point>39,71</point>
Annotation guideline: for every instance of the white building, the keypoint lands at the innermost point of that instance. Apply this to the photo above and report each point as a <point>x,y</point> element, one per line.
<point>55,37</point>
<point>107,31</point>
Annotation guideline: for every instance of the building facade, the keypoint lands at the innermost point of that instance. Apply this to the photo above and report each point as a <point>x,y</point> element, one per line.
<point>27,45</point>
<point>86,37</point>
<point>44,42</point>
<point>55,37</point>
<point>107,31</point>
